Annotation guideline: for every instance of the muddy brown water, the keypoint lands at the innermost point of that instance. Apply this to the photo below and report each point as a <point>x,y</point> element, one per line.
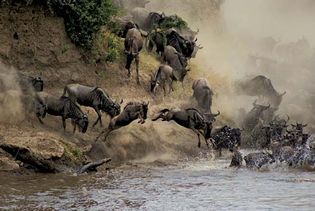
<point>198,184</point>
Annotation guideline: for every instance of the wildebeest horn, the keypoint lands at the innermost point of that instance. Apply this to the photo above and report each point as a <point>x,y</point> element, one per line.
<point>196,39</point>
<point>304,125</point>
<point>283,93</point>
<point>121,101</point>
<point>217,114</point>
<point>287,119</point>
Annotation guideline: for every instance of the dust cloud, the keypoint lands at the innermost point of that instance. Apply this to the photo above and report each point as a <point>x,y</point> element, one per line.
<point>243,39</point>
<point>11,106</point>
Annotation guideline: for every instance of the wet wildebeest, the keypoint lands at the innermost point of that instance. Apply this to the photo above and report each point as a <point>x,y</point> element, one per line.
<point>258,159</point>
<point>94,97</point>
<point>253,117</point>
<point>203,94</point>
<point>261,86</point>
<point>131,112</point>
<point>237,158</point>
<point>30,83</point>
<point>133,46</point>
<point>162,76</point>
<point>226,138</point>
<point>64,107</point>
<point>177,61</point>
<point>190,118</point>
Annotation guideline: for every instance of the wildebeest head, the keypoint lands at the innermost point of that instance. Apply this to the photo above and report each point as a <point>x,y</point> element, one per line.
<point>259,108</point>
<point>190,46</point>
<point>82,123</point>
<point>299,127</point>
<point>38,84</point>
<point>211,117</point>
<point>113,109</point>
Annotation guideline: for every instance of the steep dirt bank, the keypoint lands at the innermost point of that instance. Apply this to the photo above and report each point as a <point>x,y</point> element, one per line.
<point>35,42</point>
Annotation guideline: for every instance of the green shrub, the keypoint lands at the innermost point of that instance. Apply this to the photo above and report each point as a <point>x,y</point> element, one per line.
<point>83,18</point>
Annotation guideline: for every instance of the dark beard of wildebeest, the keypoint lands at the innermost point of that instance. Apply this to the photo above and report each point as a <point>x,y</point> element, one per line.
<point>64,107</point>
<point>94,97</point>
<point>203,94</point>
<point>177,61</point>
<point>190,118</point>
<point>131,112</point>
<point>133,46</point>
<point>226,138</point>
<point>261,86</point>
<point>253,117</point>
<point>164,74</point>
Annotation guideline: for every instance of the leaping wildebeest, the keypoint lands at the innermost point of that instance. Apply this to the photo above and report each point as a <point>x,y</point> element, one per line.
<point>131,112</point>
<point>64,107</point>
<point>261,86</point>
<point>203,94</point>
<point>162,76</point>
<point>133,46</point>
<point>94,97</point>
<point>190,118</point>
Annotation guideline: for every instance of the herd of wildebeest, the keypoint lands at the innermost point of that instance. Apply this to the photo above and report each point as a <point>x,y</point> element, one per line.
<point>261,127</point>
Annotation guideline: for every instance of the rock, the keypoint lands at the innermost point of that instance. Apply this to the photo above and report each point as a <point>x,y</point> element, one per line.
<point>7,163</point>
<point>39,151</point>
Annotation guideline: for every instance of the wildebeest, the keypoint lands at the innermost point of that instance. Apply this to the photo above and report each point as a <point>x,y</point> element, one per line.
<point>162,76</point>
<point>187,47</point>
<point>63,107</point>
<point>261,86</point>
<point>94,97</point>
<point>177,61</point>
<point>133,46</point>
<point>203,94</point>
<point>226,138</point>
<point>131,112</point>
<point>252,118</point>
<point>189,118</point>
<point>30,83</point>
<point>258,159</point>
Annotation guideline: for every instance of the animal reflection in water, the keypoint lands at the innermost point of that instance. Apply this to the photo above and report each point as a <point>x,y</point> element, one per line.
<point>191,118</point>
<point>131,112</point>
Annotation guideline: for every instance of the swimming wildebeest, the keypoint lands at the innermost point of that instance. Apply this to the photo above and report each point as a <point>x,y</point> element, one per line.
<point>162,76</point>
<point>253,117</point>
<point>131,112</point>
<point>203,94</point>
<point>261,86</point>
<point>133,46</point>
<point>94,97</point>
<point>190,118</point>
<point>226,138</point>
<point>177,61</point>
<point>64,107</point>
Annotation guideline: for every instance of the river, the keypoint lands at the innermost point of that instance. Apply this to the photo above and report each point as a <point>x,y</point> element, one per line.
<point>198,184</point>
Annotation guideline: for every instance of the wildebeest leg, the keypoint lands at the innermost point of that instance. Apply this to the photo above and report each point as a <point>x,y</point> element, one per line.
<point>64,123</point>
<point>137,68</point>
<point>40,120</point>
<point>198,134</point>
<point>74,126</point>
<point>171,86</point>
<point>99,117</point>
<point>164,89</point>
